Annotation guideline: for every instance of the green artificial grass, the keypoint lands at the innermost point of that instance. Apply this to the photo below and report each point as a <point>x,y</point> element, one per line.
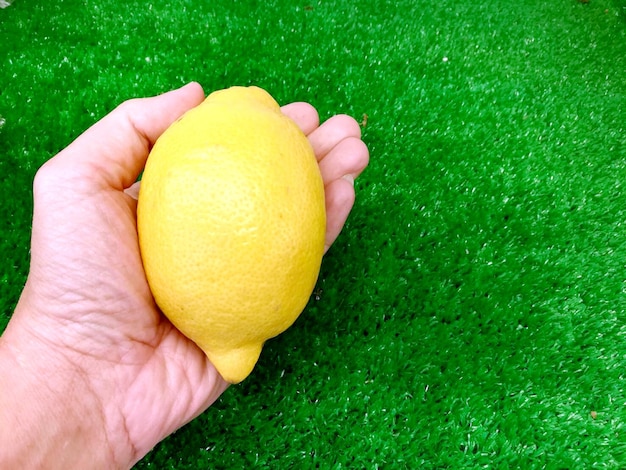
<point>473,312</point>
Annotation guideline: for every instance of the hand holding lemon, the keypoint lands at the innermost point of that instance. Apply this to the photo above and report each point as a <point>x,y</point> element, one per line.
<point>118,376</point>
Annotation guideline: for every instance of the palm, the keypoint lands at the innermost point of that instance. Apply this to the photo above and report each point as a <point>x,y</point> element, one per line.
<point>128,346</point>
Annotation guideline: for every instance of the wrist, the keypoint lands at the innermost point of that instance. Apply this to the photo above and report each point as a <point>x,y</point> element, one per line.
<point>48,416</point>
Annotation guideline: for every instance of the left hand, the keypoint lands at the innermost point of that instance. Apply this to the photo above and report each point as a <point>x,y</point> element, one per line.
<point>99,362</point>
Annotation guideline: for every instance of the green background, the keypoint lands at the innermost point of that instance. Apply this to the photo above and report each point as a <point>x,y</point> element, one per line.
<point>473,312</point>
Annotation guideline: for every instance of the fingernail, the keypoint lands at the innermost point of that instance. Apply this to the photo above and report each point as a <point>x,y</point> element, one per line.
<point>349,178</point>
<point>188,85</point>
<point>133,191</point>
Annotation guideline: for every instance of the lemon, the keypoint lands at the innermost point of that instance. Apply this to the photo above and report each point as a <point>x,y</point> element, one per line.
<point>231,221</point>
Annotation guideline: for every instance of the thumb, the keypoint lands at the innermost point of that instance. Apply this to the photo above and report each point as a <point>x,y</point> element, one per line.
<point>113,151</point>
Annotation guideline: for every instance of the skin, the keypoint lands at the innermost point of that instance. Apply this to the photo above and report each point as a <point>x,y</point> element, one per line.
<point>92,374</point>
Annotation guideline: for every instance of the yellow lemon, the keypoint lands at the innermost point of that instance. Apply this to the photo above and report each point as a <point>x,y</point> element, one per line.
<point>231,221</point>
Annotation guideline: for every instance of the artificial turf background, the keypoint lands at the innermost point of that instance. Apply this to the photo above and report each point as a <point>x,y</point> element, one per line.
<point>473,312</point>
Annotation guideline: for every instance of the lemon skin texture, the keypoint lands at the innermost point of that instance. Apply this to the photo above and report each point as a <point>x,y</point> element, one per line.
<point>231,222</point>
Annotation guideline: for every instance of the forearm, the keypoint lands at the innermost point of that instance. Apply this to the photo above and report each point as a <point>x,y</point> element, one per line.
<point>46,418</point>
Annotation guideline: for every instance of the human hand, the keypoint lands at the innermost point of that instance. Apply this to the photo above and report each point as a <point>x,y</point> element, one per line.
<point>98,374</point>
